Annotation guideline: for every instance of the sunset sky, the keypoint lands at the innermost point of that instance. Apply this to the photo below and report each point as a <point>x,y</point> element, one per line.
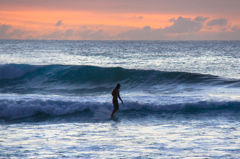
<point>120,19</point>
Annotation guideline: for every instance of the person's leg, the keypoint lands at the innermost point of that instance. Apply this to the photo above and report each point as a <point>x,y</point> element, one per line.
<point>114,111</point>
<point>116,107</point>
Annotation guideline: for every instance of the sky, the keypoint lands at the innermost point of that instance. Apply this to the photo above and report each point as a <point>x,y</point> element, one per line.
<point>120,19</point>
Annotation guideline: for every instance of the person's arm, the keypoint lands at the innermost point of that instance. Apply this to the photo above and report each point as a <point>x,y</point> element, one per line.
<point>120,97</point>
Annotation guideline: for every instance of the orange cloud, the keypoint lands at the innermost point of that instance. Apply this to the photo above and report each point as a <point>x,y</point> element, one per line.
<point>109,18</point>
<point>45,20</point>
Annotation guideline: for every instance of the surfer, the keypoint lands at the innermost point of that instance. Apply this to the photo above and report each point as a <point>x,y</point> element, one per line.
<point>116,95</point>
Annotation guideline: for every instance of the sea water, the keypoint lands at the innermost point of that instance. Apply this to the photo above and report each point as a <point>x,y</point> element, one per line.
<point>181,99</point>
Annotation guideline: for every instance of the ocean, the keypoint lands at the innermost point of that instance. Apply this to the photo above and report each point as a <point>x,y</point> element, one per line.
<point>181,99</point>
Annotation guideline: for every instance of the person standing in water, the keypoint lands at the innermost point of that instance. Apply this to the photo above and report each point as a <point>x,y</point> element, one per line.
<point>116,95</point>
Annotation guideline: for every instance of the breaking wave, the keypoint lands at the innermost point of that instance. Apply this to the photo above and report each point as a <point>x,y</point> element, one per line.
<point>17,109</point>
<point>23,78</point>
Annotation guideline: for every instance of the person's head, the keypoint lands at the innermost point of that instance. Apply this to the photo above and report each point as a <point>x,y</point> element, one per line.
<point>118,86</point>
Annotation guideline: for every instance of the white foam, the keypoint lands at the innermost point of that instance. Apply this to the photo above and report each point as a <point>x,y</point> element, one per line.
<point>20,106</point>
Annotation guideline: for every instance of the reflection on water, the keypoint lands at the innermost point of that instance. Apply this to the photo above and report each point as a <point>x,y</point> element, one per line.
<point>128,138</point>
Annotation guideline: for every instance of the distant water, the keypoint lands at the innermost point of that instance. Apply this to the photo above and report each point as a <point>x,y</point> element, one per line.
<point>181,99</point>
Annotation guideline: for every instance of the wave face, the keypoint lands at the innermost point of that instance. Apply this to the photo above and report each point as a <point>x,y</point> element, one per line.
<point>60,79</point>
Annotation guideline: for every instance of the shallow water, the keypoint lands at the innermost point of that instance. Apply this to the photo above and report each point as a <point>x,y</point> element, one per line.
<point>156,136</point>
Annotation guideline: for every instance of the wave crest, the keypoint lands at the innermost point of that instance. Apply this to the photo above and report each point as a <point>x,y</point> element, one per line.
<point>20,78</point>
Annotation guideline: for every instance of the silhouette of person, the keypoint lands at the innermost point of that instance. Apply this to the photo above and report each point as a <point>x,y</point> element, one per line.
<point>116,95</point>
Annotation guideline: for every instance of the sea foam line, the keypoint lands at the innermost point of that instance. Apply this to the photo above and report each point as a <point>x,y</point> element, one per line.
<point>15,109</point>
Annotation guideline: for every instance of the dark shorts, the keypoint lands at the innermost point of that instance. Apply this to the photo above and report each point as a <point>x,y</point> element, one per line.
<point>115,104</point>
